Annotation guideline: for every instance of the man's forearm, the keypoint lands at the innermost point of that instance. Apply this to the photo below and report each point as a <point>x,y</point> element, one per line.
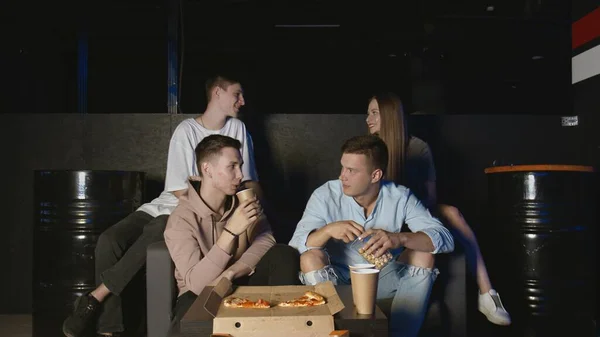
<point>227,242</point>
<point>252,256</point>
<point>418,241</point>
<point>318,238</point>
<point>236,271</point>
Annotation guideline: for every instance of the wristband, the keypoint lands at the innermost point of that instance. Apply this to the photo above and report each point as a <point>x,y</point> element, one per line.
<point>230,232</point>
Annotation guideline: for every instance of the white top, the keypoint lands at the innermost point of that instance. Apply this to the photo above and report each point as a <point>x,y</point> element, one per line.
<point>181,163</point>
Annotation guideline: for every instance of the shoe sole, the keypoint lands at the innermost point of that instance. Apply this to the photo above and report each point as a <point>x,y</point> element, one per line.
<point>493,319</point>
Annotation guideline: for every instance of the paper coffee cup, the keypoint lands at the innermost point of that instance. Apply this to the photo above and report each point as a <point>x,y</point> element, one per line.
<point>358,266</point>
<point>246,194</point>
<point>242,196</point>
<point>364,289</point>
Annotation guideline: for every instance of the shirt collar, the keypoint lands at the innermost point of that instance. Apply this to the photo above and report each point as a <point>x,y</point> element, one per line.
<point>358,208</point>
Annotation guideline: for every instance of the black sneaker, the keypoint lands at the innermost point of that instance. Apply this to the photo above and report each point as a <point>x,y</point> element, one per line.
<point>84,312</point>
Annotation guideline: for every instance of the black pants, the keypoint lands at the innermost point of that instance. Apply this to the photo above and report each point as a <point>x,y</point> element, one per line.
<point>120,255</point>
<point>279,267</point>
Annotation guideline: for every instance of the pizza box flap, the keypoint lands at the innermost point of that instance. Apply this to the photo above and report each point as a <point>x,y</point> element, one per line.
<point>276,294</point>
<point>216,296</point>
<point>334,302</point>
<point>208,298</point>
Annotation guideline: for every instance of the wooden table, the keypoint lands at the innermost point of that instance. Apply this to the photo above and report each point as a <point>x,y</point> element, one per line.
<point>347,319</point>
<point>359,325</point>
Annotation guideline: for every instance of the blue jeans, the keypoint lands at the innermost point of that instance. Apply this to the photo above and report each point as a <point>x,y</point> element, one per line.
<point>410,287</point>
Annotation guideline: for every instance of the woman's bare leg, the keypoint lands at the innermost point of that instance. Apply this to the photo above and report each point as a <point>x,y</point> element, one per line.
<point>452,217</point>
<point>489,300</point>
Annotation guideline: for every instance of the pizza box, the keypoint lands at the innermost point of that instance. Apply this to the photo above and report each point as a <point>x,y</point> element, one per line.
<point>276,321</point>
<point>336,333</point>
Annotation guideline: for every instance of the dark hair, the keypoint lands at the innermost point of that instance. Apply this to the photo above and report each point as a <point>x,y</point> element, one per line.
<point>371,146</point>
<point>211,146</point>
<point>222,81</point>
<point>394,133</point>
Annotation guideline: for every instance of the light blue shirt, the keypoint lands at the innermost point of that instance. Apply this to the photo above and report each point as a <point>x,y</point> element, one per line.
<point>396,205</point>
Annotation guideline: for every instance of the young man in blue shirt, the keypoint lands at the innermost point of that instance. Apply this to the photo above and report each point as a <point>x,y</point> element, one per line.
<point>361,204</point>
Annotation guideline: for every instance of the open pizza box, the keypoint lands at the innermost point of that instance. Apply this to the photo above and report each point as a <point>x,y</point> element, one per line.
<point>314,321</point>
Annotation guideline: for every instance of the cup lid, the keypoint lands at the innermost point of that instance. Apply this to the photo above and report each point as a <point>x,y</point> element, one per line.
<point>361,266</point>
<point>364,271</point>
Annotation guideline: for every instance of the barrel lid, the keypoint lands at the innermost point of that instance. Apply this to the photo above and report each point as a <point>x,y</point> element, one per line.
<point>541,167</point>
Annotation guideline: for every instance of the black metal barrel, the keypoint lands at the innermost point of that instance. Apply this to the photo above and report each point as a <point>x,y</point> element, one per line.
<point>541,246</point>
<point>72,208</point>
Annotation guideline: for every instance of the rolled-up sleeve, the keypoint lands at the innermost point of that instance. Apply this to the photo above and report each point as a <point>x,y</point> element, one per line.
<point>314,217</point>
<point>259,246</point>
<point>197,270</point>
<point>419,219</point>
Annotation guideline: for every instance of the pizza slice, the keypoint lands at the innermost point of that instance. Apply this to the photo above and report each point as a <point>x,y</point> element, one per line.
<point>238,302</point>
<point>314,296</point>
<point>309,299</point>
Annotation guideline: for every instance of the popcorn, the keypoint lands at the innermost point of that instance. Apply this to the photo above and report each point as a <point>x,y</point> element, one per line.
<point>379,262</point>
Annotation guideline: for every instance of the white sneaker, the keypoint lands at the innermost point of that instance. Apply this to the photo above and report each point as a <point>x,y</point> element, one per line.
<point>491,306</point>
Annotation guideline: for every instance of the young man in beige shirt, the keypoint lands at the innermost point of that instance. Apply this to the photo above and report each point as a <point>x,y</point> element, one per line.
<point>211,234</point>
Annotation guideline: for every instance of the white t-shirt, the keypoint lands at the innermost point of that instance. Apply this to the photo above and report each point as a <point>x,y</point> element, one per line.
<point>181,163</point>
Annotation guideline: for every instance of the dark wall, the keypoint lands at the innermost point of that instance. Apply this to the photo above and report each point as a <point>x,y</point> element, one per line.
<point>295,154</point>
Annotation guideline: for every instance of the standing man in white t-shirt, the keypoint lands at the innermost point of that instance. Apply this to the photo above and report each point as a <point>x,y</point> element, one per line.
<point>121,249</point>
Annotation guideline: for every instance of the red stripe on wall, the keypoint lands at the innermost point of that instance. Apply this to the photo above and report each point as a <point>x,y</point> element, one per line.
<point>586,29</point>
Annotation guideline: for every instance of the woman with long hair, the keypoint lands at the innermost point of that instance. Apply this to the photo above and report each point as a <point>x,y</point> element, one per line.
<point>411,164</point>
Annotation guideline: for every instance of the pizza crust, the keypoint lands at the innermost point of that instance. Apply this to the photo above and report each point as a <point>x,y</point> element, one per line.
<point>314,296</point>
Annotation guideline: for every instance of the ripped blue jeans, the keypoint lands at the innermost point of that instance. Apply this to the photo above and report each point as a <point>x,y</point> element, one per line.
<point>408,286</point>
